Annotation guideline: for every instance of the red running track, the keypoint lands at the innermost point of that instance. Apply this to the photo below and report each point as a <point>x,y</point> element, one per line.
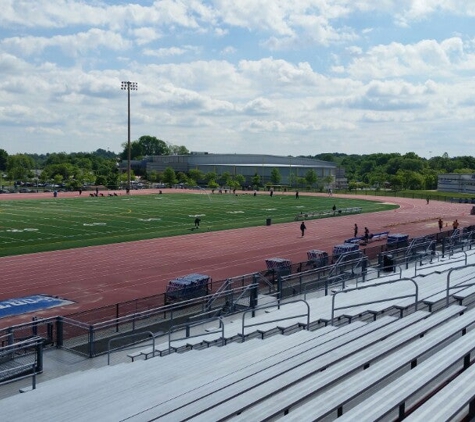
<point>98,276</point>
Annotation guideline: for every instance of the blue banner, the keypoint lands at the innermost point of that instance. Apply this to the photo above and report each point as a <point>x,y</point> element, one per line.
<point>29,304</point>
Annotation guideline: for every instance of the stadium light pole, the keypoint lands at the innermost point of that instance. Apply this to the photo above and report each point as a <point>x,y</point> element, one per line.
<point>128,86</point>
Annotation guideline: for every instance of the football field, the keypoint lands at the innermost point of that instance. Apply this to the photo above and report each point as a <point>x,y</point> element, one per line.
<point>35,225</point>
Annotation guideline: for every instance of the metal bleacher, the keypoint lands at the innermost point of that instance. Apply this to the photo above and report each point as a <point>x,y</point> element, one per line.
<point>373,349</point>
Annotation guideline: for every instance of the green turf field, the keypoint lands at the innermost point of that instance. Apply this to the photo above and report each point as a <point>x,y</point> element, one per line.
<point>28,226</point>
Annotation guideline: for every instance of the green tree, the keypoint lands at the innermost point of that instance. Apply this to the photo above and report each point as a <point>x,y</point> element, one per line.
<point>212,184</point>
<point>256,180</point>
<point>275,176</point>
<point>328,180</point>
<point>19,167</point>
<point>3,160</point>
<point>178,150</point>
<point>169,177</point>
<point>182,177</point>
<point>153,176</point>
<point>240,180</point>
<point>293,179</point>
<point>211,176</point>
<point>396,182</point>
<point>411,179</point>
<point>101,180</point>
<point>145,145</point>
<point>58,179</point>
<point>311,177</point>
<point>196,174</point>
<point>225,179</point>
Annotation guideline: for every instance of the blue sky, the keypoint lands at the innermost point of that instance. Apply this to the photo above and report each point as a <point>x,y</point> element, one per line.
<point>285,77</point>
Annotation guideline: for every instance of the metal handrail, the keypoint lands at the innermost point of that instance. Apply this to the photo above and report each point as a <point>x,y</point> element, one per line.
<point>187,326</point>
<point>449,274</point>
<point>244,326</point>
<point>127,336</point>
<point>416,295</point>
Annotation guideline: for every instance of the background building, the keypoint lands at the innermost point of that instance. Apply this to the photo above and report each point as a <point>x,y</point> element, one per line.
<point>248,165</point>
<point>454,182</point>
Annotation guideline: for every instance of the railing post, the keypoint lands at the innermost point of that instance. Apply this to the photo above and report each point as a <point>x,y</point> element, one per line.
<point>364,268</point>
<point>279,288</point>
<point>59,332</point>
<point>34,326</point>
<point>253,299</point>
<point>91,341</point>
<point>39,357</point>
<point>117,317</point>
<point>33,380</point>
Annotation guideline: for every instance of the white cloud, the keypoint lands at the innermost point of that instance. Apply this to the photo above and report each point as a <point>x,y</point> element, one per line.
<point>291,76</point>
<point>259,106</point>
<point>426,57</point>
<point>71,45</point>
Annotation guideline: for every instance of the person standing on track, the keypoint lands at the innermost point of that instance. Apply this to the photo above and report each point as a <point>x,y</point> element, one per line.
<point>441,224</point>
<point>366,235</point>
<point>356,230</point>
<point>303,227</point>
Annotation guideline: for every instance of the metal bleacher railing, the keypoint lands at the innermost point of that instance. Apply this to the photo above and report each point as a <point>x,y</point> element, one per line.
<point>21,359</point>
<point>89,333</point>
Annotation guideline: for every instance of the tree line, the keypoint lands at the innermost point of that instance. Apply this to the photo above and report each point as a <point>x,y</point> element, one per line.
<point>74,170</point>
<point>397,171</point>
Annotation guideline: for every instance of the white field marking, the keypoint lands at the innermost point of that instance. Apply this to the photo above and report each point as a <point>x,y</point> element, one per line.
<point>270,209</point>
<point>197,215</point>
<point>235,212</point>
<point>20,230</point>
<point>95,224</point>
<point>149,219</point>
<point>299,206</point>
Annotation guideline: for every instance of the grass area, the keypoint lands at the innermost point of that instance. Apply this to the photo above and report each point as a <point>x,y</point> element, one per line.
<point>433,195</point>
<point>29,226</point>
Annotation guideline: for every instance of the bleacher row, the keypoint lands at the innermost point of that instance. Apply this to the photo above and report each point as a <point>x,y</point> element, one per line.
<point>413,364</point>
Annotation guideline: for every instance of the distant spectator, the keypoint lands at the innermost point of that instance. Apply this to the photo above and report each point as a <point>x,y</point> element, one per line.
<point>441,224</point>
<point>455,225</point>
<point>297,194</point>
<point>356,230</point>
<point>366,234</point>
<point>197,222</point>
<point>303,227</point>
